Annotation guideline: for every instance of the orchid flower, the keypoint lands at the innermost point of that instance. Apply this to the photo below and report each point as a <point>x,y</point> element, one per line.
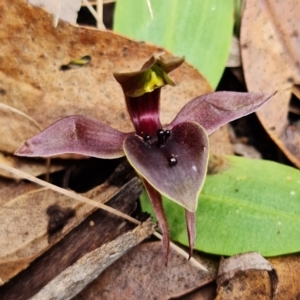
<point>170,159</point>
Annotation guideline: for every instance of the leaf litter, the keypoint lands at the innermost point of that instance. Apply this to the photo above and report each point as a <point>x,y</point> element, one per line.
<point>271,63</point>
<point>25,223</point>
<point>35,85</point>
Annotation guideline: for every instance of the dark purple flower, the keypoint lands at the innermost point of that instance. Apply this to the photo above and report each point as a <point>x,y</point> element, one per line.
<point>170,159</point>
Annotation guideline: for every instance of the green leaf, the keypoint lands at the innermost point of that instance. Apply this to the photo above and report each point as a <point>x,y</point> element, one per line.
<point>250,205</point>
<point>199,30</point>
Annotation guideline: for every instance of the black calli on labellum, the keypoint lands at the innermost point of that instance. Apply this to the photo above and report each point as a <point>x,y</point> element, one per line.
<point>171,159</point>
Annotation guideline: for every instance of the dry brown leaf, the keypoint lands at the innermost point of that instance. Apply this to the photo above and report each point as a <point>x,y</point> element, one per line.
<point>245,150</point>
<point>141,274</point>
<point>75,278</point>
<point>31,166</point>
<point>15,126</point>
<point>241,147</point>
<point>271,61</point>
<point>32,82</point>
<point>207,292</point>
<point>10,189</point>
<point>220,142</point>
<point>25,224</point>
<point>248,285</point>
<point>296,91</point>
<point>287,268</point>
<point>23,234</point>
<point>246,276</point>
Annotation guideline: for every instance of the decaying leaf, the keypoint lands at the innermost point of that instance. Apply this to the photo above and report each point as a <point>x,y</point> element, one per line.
<point>122,280</point>
<point>86,269</point>
<point>244,274</point>
<point>271,63</point>
<point>32,82</point>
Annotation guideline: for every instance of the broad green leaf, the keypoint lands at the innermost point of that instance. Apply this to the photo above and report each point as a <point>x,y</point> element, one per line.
<point>250,205</point>
<point>199,30</point>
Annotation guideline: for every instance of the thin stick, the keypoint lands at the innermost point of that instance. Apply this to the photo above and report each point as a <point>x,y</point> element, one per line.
<point>68,193</point>
<point>93,12</point>
<point>91,9</point>
<point>56,16</point>
<point>100,24</point>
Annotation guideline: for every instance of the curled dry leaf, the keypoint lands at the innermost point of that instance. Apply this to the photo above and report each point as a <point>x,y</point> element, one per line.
<point>26,222</point>
<point>32,82</point>
<point>75,278</point>
<point>122,279</point>
<point>271,63</point>
<point>237,267</point>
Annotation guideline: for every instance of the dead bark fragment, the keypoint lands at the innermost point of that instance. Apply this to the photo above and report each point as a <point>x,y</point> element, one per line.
<point>246,274</point>
<point>74,279</point>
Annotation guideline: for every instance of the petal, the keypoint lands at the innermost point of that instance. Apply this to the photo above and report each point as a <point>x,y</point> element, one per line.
<point>156,201</point>
<point>190,218</point>
<point>216,109</point>
<point>188,145</point>
<point>76,134</point>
